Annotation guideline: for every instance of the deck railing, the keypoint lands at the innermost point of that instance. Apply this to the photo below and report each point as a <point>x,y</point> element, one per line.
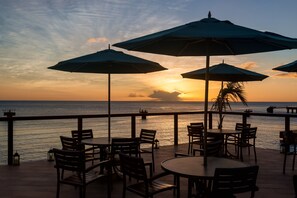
<point>10,119</point>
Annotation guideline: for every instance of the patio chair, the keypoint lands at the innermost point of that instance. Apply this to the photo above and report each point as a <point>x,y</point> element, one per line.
<point>72,164</point>
<point>230,181</point>
<point>289,139</point>
<point>147,141</point>
<point>128,146</point>
<point>80,135</point>
<point>195,135</point>
<point>71,144</point>
<point>247,140</point>
<point>233,139</point>
<point>134,167</point>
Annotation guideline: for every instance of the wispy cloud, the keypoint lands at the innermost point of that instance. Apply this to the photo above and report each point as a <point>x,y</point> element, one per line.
<point>165,96</point>
<point>97,40</point>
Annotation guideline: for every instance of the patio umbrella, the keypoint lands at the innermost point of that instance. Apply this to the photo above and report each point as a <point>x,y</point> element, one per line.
<point>290,67</point>
<point>224,72</point>
<point>108,62</point>
<point>209,37</point>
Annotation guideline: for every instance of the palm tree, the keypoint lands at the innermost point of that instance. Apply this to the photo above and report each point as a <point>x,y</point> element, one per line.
<point>234,91</point>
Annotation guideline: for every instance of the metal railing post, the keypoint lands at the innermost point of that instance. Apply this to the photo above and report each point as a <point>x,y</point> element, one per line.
<point>287,123</point>
<point>175,129</point>
<point>210,119</point>
<point>133,126</point>
<point>79,123</point>
<point>9,115</point>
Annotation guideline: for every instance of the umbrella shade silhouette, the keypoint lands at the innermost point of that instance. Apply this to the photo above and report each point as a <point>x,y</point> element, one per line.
<point>290,67</point>
<point>108,62</point>
<point>209,37</point>
<point>225,72</point>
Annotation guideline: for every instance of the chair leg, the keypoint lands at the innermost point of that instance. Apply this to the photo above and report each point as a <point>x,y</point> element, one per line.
<point>255,154</point>
<point>285,159</point>
<point>294,156</point>
<point>58,190</point>
<point>153,160</point>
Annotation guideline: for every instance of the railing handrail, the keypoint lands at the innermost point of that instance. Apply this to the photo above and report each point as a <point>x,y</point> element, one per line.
<point>11,119</point>
<point>15,118</point>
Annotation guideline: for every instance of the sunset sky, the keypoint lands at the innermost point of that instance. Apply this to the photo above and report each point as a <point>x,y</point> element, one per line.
<point>36,34</point>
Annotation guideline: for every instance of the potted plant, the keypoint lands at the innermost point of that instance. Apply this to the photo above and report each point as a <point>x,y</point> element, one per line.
<point>233,91</point>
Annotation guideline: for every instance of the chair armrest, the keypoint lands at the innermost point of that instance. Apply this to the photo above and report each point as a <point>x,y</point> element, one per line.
<point>157,176</point>
<point>198,150</point>
<point>106,163</point>
<point>177,154</point>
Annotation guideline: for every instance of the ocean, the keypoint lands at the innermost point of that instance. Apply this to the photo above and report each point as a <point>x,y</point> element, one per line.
<point>32,139</point>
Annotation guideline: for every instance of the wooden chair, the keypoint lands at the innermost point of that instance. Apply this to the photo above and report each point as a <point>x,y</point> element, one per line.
<point>72,164</point>
<point>147,141</point>
<point>289,139</point>
<point>82,134</point>
<point>195,135</point>
<point>213,149</point>
<point>71,144</point>
<point>230,181</point>
<point>248,139</point>
<point>79,135</point>
<point>233,139</point>
<point>134,167</point>
<point>128,146</point>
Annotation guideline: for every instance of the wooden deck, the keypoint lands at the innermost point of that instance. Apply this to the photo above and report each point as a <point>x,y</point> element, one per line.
<point>38,179</point>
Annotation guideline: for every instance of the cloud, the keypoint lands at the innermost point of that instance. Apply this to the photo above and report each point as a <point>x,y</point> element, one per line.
<point>165,96</point>
<point>97,40</point>
<point>287,75</point>
<point>249,65</point>
<point>134,95</point>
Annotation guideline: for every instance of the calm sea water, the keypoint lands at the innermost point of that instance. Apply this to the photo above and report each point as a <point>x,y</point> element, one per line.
<point>34,138</point>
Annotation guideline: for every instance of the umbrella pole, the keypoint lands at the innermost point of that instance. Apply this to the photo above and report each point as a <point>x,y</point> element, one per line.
<point>206,109</point>
<point>108,106</point>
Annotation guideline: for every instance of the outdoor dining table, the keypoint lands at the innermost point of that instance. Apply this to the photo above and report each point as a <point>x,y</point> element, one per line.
<point>194,169</point>
<point>225,133</point>
<point>101,142</point>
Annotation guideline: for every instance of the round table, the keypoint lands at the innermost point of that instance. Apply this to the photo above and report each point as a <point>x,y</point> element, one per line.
<point>193,168</point>
<point>100,142</point>
<point>225,133</point>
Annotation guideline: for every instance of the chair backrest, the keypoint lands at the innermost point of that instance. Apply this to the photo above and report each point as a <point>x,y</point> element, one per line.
<point>69,160</point>
<point>69,143</point>
<point>199,124</point>
<point>82,134</point>
<point>195,130</point>
<point>240,126</point>
<point>214,148</point>
<point>235,180</point>
<point>129,146</point>
<point>147,136</point>
<point>249,133</point>
<point>133,167</point>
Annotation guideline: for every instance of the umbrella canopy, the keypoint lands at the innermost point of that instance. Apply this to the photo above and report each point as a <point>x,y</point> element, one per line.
<point>108,62</point>
<point>225,72</point>
<point>209,37</point>
<point>290,67</point>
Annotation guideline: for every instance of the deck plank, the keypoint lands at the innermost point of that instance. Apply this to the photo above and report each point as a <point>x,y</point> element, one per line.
<point>38,179</point>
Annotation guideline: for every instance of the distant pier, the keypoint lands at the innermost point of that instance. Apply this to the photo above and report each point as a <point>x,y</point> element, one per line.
<point>292,109</point>
<point>289,109</point>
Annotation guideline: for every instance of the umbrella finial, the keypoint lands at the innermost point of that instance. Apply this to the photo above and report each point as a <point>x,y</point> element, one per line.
<point>223,61</point>
<point>209,14</point>
<point>109,46</point>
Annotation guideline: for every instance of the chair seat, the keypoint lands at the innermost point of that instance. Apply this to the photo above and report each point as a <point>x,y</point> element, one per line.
<point>76,179</point>
<point>153,187</point>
